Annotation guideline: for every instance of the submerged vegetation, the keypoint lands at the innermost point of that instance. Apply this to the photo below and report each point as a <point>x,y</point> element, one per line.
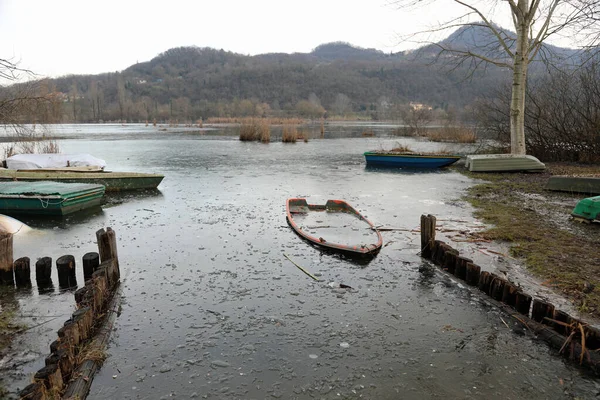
<point>536,224</point>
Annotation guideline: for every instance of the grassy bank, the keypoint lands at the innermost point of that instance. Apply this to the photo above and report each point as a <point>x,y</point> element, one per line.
<point>536,223</point>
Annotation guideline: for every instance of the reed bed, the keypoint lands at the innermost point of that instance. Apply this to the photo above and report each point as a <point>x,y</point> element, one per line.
<point>242,120</point>
<point>451,134</point>
<point>255,129</point>
<point>289,134</point>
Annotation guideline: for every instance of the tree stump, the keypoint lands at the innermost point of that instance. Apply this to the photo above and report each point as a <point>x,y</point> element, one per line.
<point>22,272</point>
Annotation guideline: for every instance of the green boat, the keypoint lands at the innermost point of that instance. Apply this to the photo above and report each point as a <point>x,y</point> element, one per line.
<point>113,181</point>
<point>48,198</point>
<point>587,209</point>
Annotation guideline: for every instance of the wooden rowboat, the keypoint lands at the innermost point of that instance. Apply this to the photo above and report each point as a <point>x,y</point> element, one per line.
<point>48,198</point>
<point>113,181</point>
<point>334,226</point>
<point>409,160</point>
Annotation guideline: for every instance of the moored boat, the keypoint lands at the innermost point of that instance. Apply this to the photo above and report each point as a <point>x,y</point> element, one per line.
<point>48,198</point>
<point>113,181</point>
<point>409,160</point>
<point>334,226</point>
<point>74,168</point>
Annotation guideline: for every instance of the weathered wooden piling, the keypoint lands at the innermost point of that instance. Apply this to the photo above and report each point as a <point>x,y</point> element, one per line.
<point>523,303</point>
<point>509,294</point>
<point>542,310</point>
<point>6,259</point>
<point>539,317</point>
<point>461,267</point>
<point>427,235</point>
<point>22,272</point>
<point>50,376</point>
<point>65,266</point>
<point>473,273</point>
<point>449,259</point>
<point>497,287</point>
<point>43,271</point>
<point>107,245</point>
<point>563,318</point>
<point>485,279</point>
<point>33,391</point>
<point>91,262</point>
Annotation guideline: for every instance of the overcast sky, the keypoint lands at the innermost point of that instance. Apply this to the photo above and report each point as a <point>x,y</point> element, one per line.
<point>59,37</point>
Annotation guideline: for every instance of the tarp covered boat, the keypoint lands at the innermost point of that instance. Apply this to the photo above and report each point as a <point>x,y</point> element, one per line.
<point>48,198</point>
<point>334,226</point>
<point>53,161</point>
<point>409,160</point>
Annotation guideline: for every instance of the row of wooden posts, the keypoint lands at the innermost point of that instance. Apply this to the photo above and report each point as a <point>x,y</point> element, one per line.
<point>68,369</point>
<point>540,317</point>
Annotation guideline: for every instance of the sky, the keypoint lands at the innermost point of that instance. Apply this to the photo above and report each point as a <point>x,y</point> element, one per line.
<point>61,37</point>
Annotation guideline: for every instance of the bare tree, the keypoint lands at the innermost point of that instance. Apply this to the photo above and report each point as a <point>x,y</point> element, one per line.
<point>534,22</point>
<point>23,105</point>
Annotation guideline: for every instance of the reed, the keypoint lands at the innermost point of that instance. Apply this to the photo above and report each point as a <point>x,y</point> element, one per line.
<point>263,130</point>
<point>458,134</point>
<point>248,131</point>
<point>289,134</point>
<point>241,120</point>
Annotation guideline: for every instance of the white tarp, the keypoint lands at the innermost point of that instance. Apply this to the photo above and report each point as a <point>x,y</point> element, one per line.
<point>35,161</point>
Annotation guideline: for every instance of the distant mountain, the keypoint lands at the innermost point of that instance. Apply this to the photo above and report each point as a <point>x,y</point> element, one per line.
<point>199,82</point>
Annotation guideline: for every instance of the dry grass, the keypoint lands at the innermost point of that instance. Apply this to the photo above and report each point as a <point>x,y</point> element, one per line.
<point>255,129</point>
<point>264,131</point>
<point>289,134</point>
<point>270,121</point>
<point>401,149</point>
<point>458,134</point>
<point>368,133</point>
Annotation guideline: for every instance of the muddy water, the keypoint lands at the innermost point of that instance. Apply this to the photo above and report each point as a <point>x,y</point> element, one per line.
<point>213,309</point>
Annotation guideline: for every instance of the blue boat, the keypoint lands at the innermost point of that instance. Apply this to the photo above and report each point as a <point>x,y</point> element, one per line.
<point>409,160</point>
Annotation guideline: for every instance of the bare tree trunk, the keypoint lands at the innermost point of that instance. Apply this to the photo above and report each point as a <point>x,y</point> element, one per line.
<point>519,85</point>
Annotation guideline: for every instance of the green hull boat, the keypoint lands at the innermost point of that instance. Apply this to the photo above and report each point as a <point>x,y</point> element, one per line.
<point>112,181</point>
<point>48,198</point>
<point>587,209</point>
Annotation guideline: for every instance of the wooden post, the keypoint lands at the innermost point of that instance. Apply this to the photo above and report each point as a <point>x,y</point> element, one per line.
<point>33,391</point>
<point>22,272</point>
<point>6,258</point>
<point>473,274</point>
<point>541,310</point>
<point>497,287</point>
<point>43,271</point>
<point>461,267</point>
<point>523,303</point>
<point>84,318</point>
<point>449,261</point>
<point>107,245</point>
<point>427,235</point>
<point>91,261</point>
<point>66,272</point>
<point>50,376</point>
<point>509,295</point>
<point>485,279</point>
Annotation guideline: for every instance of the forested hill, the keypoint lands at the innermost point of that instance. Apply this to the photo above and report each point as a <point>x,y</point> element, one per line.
<point>189,83</point>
